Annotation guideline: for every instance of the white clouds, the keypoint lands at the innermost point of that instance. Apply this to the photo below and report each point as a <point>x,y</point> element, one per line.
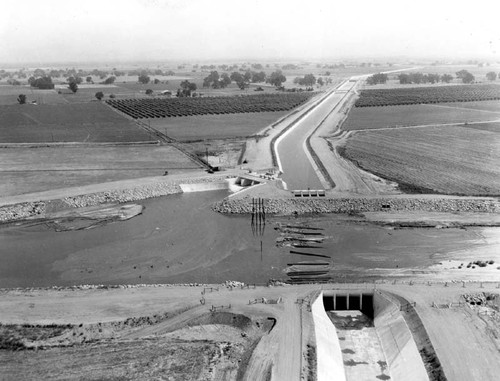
<point>165,29</point>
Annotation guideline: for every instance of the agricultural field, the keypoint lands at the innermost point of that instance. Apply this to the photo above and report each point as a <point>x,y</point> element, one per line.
<point>364,118</point>
<point>36,169</point>
<point>423,95</point>
<point>208,127</point>
<point>77,122</point>
<point>9,94</point>
<point>447,159</point>
<point>179,107</point>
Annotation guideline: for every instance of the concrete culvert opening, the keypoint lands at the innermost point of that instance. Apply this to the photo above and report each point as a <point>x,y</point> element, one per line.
<point>370,339</point>
<point>362,302</point>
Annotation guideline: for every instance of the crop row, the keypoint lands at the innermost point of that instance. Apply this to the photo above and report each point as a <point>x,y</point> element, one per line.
<point>418,95</point>
<point>161,108</point>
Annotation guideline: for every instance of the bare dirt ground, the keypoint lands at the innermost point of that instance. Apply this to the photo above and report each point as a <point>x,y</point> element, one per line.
<point>178,337</point>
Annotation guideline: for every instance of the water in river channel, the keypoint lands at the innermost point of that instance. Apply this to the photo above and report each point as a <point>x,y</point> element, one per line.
<point>179,239</point>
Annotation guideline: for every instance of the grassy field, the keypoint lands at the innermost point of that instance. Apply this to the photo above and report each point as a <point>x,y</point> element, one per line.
<point>215,126</point>
<point>363,118</point>
<point>27,170</point>
<point>451,160</point>
<point>491,106</point>
<point>79,122</point>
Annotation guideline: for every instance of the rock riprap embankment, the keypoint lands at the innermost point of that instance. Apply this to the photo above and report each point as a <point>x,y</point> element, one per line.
<point>359,205</point>
<point>22,211</point>
<point>141,192</point>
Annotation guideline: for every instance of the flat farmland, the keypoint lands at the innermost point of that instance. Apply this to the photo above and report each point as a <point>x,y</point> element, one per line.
<point>9,94</point>
<point>209,127</point>
<point>449,160</point>
<point>78,122</point>
<point>27,170</point>
<point>364,118</point>
<point>491,106</point>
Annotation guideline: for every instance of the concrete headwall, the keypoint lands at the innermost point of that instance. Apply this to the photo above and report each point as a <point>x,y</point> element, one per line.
<point>328,352</point>
<point>202,187</point>
<point>397,341</point>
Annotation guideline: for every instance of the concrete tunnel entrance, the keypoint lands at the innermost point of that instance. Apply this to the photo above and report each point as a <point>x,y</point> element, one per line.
<point>350,302</point>
<point>362,335</point>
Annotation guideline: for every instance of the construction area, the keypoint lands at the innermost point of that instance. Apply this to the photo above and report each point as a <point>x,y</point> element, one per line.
<point>387,331</point>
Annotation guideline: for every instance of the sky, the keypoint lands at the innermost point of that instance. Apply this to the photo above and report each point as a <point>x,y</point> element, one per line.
<point>35,31</point>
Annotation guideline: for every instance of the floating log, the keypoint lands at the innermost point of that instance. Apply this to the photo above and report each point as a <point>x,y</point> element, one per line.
<point>302,227</point>
<point>305,273</point>
<point>300,245</point>
<point>303,239</point>
<point>301,232</point>
<point>309,254</point>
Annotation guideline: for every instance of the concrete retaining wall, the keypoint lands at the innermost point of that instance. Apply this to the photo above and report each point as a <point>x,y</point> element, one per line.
<point>328,352</point>
<point>397,342</point>
<point>202,187</point>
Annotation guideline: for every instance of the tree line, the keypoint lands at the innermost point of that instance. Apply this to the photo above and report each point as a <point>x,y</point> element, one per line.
<point>422,78</point>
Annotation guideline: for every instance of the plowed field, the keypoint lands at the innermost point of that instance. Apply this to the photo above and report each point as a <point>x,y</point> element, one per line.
<point>79,122</point>
<point>364,118</point>
<point>446,159</point>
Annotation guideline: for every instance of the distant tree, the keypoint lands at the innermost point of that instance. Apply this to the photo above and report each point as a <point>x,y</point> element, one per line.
<point>491,76</point>
<point>404,78</point>
<point>21,99</point>
<point>247,76</point>
<point>156,81</point>
<point>433,78</point>
<point>258,76</point>
<point>158,72</point>
<point>320,81</point>
<point>276,78</point>
<point>465,76</point>
<point>88,79</point>
<point>236,77</point>
<point>144,79</point>
<point>308,80</point>
<point>377,78</point>
<point>39,73</point>
<point>224,80</point>
<point>99,95</point>
<point>446,78</point>
<point>14,82</point>
<point>187,89</point>
<point>55,73</point>
<point>109,80</point>
<point>149,92</point>
<point>112,96</point>
<point>212,80</point>
<point>242,85</point>
<point>41,83</point>
<point>73,86</point>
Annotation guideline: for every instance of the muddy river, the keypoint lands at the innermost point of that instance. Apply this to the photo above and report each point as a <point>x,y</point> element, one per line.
<point>179,239</point>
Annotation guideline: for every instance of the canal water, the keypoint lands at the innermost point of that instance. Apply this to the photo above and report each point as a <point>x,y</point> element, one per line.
<point>179,239</point>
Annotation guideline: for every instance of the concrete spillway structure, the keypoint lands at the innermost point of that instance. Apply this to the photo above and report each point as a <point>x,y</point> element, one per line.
<point>329,355</point>
<point>387,343</point>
